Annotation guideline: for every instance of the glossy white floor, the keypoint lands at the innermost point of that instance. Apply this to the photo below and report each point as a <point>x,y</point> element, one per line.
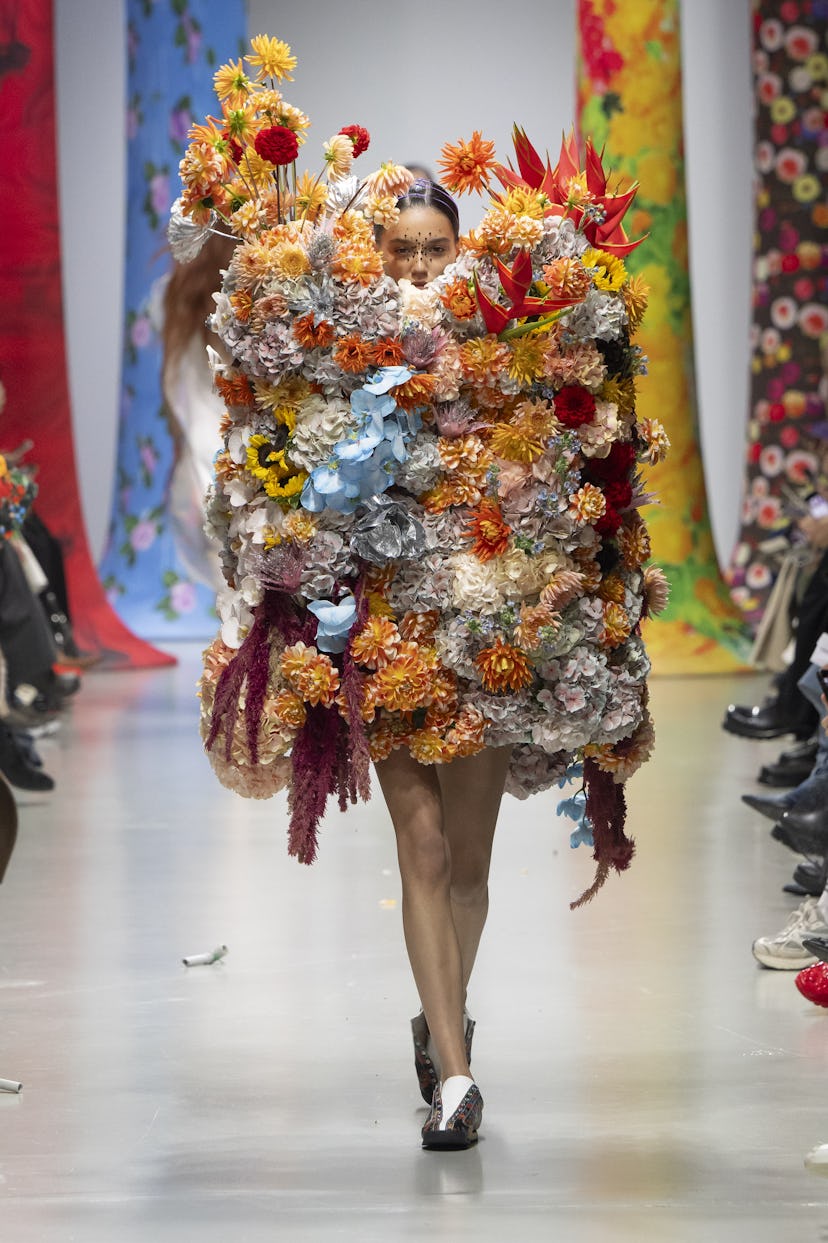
<point>643,1078</point>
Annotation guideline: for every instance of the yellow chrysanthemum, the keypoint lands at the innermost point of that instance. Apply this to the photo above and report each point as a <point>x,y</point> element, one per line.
<point>524,202</point>
<point>608,271</point>
<point>241,122</point>
<point>232,83</point>
<point>527,358</point>
<point>271,58</point>
<point>621,393</point>
<point>310,196</point>
<point>515,443</point>
<point>271,397</point>
<point>291,260</point>
<point>635,294</point>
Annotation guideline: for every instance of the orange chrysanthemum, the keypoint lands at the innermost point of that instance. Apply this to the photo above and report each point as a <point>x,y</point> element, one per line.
<point>567,278</point>
<point>310,673</point>
<point>289,709</point>
<point>612,588</point>
<point>459,299</point>
<point>242,304</point>
<point>427,746</point>
<point>467,166</point>
<point>616,625</point>
<point>503,667</point>
<point>311,335</point>
<point>404,684</point>
<point>490,532</point>
<point>624,758</point>
<point>448,492</point>
<point>352,354</point>
<point>418,626</point>
<point>635,294</point>
<point>444,689</point>
<point>310,196</point>
<point>483,358</point>
<point>387,352</point>
<point>589,569</point>
<point>234,388</point>
<point>588,504</point>
<point>360,265</point>
<point>464,453</point>
<point>633,541</point>
<point>377,643</point>
<point>418,391</point>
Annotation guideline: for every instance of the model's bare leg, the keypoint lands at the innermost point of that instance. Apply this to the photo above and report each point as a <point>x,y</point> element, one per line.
<point>412,794</point>
<point>471,789</point>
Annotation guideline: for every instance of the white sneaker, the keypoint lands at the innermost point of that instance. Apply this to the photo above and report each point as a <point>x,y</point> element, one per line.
<point>785,951</point>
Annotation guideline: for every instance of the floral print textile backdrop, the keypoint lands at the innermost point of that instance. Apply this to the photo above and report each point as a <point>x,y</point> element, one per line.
<point>786,420</point>
<point>629,90</point>
<point>174,48</point>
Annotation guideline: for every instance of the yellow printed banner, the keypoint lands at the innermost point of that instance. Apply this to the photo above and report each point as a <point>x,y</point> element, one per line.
<point>629,101</point>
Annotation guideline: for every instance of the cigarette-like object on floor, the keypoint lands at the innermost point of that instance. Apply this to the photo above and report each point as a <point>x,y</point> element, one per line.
<point>10,1085</point>
<point>204,960</point>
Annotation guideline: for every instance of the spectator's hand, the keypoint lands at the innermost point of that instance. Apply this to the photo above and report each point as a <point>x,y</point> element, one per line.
<point>815,531</point>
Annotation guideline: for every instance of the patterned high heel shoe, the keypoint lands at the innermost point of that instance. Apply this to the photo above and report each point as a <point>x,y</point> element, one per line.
<point>428,1075</point>
<point>459,1130</point>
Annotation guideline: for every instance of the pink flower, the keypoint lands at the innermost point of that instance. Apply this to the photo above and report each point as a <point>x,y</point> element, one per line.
<point>783,312</point>
<point>771,33</point>
<point>789,437</point>
<point>800,42</point>
<point>142,536</point>
<point>800,466</point>
<point>768,513</point>
<point>771,341</point>
<point>768,87</point>
<point>757,576</point>
<point>790,164</point>
<point>159,188</point>
<point>804,288</point>
<point>183,597</point>
<point>771,461</point>
<point>140,333</point>
<point>813,320</point>
<point>765,153</point>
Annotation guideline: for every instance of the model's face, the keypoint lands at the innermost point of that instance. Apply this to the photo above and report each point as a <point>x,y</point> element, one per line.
<point>419,246</point>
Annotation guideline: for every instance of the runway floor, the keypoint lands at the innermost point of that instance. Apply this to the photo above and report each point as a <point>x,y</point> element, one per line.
<point>644,1079</point>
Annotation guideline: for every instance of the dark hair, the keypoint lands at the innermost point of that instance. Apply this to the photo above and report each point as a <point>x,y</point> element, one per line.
<point>422,193</point>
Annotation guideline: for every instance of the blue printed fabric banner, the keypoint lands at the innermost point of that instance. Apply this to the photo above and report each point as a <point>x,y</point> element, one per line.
<point>174,48</point>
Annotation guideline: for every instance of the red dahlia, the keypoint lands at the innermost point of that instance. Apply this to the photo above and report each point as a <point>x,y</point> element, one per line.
<point>609,523</point>
<point>574,406</point>
<point>618,493</point>
<point>278,144</point>
<point>616,465</point>
<point>359,136</point>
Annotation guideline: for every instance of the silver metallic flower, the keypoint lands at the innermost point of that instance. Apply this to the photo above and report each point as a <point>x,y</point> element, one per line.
<point>387,532</point>
<point>186,238</point>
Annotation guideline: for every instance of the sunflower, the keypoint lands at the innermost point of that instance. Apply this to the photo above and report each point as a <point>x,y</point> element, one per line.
<point>608,271</point>
<point>271,58</point>
<point>503,667</point>
<point>467,166</point>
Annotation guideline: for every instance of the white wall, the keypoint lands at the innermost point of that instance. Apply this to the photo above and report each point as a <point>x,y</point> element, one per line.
<point>417,75</point>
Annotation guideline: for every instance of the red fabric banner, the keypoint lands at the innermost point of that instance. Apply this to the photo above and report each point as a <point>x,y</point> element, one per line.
<point>32,351</point>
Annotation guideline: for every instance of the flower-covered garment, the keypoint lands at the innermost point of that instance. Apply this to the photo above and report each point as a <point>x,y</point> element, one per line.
<point>427,499</point>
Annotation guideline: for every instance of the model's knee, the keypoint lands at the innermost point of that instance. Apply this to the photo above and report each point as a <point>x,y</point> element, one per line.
<point>424,855</point>
<point>470,885</point>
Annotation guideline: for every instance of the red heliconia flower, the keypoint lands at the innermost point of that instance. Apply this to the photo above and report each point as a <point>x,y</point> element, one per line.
<point>359,136</point>
<point>277,144</point>
<point>516,282</point>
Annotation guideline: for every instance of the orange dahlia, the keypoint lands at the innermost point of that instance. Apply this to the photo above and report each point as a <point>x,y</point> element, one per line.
<point>616,625</point>
<point>310,673</point>
<point>427,746</point>
<point>464,453</point>
<point>467,166</point>
<point>533,619</point>
<point>612,588</point>
<point>588,504</point>
<point>234,388</point>
<point>448,492</point>
<point>377,643</point>
<point>490,531</point>
<point>360,265</point>
<point>387,352</point>
<point>382,740</point>
<point>311,335</point>
<point>418,626</point>
<point>633,541</point>
<point>404,684</point>
<point>459,299</point>
<point>468,736</point>
<point>351,353</point>
<point>567,278</point>
<point>483,358</point>
<point>503,667</point>
<point>289,709</point>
